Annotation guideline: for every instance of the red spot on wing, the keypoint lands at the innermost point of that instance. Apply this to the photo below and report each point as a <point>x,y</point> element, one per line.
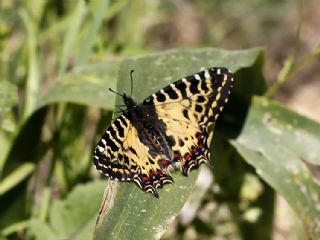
<point>160,173</point>
<point>187,156</point>
<point>145,179</point>
<point>199,135</point>
<point>164,162</point>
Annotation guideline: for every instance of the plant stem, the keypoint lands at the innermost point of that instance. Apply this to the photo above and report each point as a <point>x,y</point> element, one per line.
<point>290,69</point>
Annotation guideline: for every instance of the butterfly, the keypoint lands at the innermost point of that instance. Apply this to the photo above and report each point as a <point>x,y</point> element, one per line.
<point>168,128</point>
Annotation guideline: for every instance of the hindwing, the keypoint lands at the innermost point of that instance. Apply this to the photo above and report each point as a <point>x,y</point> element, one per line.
<point>122,156</point>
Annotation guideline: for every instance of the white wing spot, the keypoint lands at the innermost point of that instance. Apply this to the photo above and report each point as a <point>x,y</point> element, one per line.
<point>103,141</point>
<point>206,74</point>
<point>101,149</point>
<point>218,71</point>
<point>197,77</point>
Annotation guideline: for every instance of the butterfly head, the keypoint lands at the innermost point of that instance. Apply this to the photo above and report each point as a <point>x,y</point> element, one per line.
<point>129,102</point>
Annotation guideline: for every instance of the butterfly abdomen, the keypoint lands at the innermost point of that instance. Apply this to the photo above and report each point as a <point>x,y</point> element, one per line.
<point>155,139</point>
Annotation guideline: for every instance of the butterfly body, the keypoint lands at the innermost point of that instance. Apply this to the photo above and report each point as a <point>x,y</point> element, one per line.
<point>151,130</point>
<point>168,127</point>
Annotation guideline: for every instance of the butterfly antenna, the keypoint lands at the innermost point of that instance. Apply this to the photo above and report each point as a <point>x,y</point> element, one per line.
<point>131,82</point>
<point>115,92</point>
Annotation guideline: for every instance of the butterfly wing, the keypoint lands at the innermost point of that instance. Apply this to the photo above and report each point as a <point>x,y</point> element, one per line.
<point>122,156</point>
<point>188,107</point>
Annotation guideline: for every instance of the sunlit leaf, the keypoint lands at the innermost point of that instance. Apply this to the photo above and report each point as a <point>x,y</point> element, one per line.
<point>283,147</point>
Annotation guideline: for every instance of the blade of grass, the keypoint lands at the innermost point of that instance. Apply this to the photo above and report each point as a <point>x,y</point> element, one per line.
<point>8,99</point>
<point>99,9</point>
<point>33,78</point>
<point>71,36</point>
<point>17,226</point>
<point>15,177</point>
<point>45,204</point>
<point>115,8</point>
<point>70,40</point>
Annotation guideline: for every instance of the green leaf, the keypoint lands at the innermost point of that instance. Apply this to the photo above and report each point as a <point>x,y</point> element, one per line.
<point>73,217</point>
<point>283,147</point>
<point>131,213</point>
<point>8,99</point>
<point>16,177</point>
<point>87,85</point>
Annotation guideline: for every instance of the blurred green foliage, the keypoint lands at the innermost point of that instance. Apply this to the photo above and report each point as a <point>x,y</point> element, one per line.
<point>57,61</point>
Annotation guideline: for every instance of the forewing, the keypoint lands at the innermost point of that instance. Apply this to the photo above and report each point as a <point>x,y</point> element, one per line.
<point>122,156</point>
<point>188,107</point>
